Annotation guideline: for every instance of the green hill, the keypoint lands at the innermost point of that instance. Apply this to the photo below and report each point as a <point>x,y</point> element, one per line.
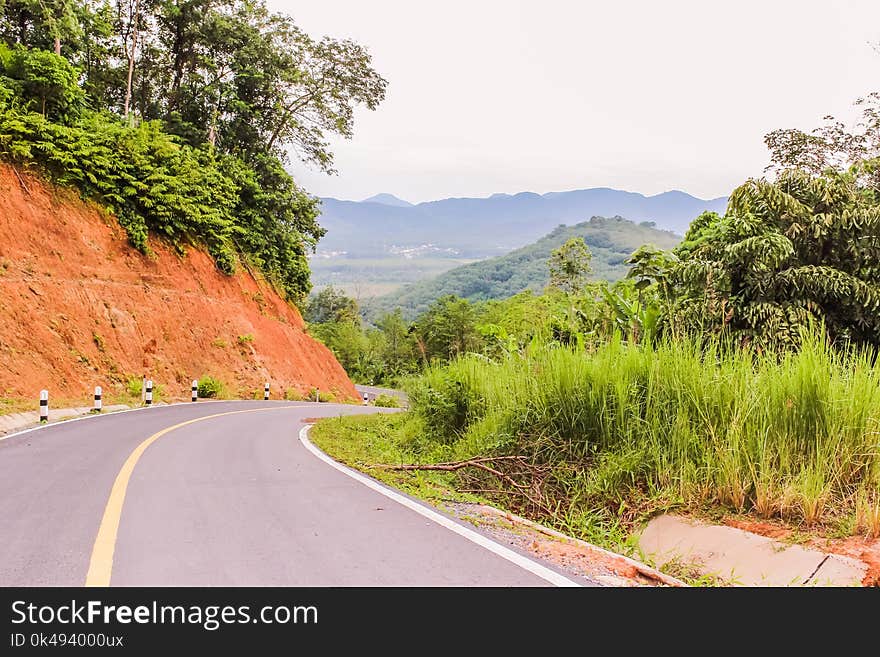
<point>611,241</point>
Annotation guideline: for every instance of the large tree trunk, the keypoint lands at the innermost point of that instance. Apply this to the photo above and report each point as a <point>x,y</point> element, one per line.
<point>57,45</point>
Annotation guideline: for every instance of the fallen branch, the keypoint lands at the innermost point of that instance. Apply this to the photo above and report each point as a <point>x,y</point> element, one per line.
<point>21,180</point>
<point>448,466</point>
<point>480,464</point>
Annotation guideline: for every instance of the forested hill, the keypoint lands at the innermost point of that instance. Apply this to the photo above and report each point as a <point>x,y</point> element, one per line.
<point>179,118</point>
<point>610,240</point>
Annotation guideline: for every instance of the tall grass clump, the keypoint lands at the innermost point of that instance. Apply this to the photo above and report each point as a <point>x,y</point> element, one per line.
<point>631,428</point>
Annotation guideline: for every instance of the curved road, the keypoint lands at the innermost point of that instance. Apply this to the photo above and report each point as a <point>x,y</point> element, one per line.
<point>133,499</point>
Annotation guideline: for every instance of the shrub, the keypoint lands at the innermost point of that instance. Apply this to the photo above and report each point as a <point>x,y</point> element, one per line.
<point>386,401</point>
<point>292,394</point>
<point>247,338</point>
<point>211,388</point>
<point>134,386</point>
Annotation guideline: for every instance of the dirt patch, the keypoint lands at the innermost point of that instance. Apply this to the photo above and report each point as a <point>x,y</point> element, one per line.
<point>865,550</point>
<point>81,308</point>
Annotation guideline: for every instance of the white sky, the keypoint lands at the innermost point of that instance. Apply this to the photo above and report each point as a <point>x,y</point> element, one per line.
<point>492,96</point>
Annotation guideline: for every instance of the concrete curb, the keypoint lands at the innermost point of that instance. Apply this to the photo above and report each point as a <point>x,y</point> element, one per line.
<point>36,426</point>
<point>642,569</point>
<point>746,558</point>
<point>15,422</point>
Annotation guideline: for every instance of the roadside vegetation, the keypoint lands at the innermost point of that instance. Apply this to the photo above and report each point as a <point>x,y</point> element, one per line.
<point>735,373</point>
<point>386,401</point>
<point>210,387</point>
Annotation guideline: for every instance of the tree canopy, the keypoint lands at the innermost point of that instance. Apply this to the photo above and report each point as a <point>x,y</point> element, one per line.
<point>180,116</point>
<point>570,265</point>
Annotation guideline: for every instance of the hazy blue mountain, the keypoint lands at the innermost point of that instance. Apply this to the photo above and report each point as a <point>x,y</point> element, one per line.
<point>388,199</point>
<point>611,241</point>
<point>483,227</point>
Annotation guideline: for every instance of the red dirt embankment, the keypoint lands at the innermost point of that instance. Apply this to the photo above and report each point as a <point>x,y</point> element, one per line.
<point>80,308</point>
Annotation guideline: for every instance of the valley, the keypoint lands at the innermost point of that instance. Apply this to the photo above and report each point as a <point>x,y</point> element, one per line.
<point>374,247</point>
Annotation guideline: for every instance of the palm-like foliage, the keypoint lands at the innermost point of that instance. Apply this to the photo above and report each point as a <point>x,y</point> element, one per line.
<point>787,254</point>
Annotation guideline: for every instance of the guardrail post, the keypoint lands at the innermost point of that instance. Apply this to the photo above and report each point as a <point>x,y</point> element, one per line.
<point>98,402</point>
<point>44,405</point>
<point>195,390</point>
<point>148,398</point>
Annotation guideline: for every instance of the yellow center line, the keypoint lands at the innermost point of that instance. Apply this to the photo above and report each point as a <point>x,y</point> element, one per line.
<point>101,562</point>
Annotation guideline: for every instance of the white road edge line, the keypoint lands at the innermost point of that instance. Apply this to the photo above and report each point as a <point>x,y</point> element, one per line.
<point>504,552</point>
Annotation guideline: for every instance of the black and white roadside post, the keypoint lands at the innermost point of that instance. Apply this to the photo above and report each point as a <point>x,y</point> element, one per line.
<point>44,405</point>
<point>317,395</point>
<point>366,399</point>
<point>195,390</point>
<point>98,403</point>
<point>266,392</point>
<point>148,398</point>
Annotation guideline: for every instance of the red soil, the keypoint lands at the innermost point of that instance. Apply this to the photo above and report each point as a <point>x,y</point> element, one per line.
<point>80,308</point>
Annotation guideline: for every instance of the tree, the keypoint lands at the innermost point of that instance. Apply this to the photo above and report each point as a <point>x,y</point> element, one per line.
<point>831,146</point>
<point>570,266</point>
<point>248,81</point>
<point>39,23</point>
<point>651,266</point>
<point>45,81</point>
<point>448,328</point>
<point>332,305</point>
<point>130,17</point>
<point>798,252</point>
<point>398,353</point>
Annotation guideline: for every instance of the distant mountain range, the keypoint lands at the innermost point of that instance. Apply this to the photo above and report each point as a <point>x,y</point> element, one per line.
<point>482,227</point>
<point>388,199</point>
<point>611,241</point>
<point>375,246</point>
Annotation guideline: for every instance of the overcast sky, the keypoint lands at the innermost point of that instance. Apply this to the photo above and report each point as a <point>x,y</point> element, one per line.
<point>492,96</point>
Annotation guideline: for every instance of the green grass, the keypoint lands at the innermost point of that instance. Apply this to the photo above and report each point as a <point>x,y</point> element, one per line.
<point>626,431</point>
<point>386,401</point>
<point>362,441</point>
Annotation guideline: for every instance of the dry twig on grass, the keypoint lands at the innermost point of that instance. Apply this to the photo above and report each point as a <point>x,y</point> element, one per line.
<point>480,463</point>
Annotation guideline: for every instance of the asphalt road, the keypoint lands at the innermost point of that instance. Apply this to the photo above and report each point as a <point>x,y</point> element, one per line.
<point>233,500</point>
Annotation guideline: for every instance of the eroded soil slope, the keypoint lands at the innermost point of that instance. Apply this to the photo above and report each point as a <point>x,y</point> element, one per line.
<point>80,308</point>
